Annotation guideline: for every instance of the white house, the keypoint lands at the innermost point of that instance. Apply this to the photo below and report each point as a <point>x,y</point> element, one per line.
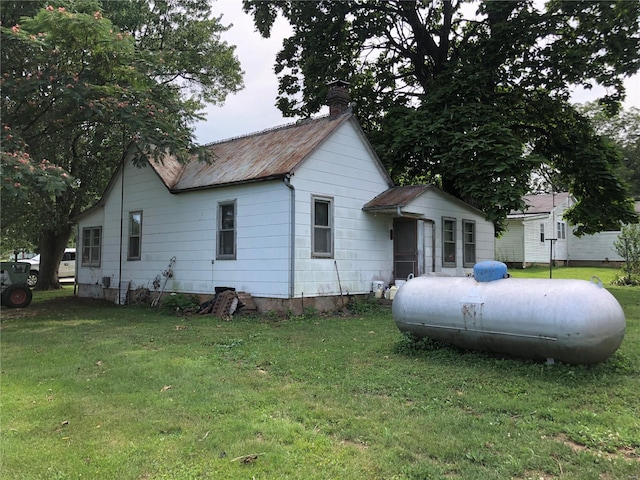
<point>297,216</point>
<point>540,234</point>
<point>596,249</point>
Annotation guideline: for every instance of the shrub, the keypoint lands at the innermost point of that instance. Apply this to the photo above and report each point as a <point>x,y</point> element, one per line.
<point>627,245</point>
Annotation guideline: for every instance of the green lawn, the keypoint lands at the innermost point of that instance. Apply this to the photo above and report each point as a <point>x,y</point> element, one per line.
<point>92,390</point>
<point>606,275</point>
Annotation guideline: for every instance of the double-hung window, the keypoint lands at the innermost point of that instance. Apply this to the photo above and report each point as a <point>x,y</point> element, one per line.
<point>469,236</point>
<point>322,227</point>
<point>449,242</point>
<point>91,245</point>
<point>562,231</point>
<point>226,231</point>
<point>135,236</point>
<point>542,233</point>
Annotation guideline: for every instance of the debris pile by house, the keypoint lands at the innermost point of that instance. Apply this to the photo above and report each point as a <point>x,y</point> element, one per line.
<point>226,302</point>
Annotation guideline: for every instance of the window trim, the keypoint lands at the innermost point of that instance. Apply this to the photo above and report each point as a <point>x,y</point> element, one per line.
<point>220,231</point>
<point>542,237</point>
<point>465,261</point>
<point>92,262</point>
<point>454,222</point>
<point>131,237</point>
<point>561,231</point>
<point>330,227</point>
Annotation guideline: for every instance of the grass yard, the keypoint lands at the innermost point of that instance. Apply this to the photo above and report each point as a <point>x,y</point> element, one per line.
<point>96,391</point>
<point>606,275</point>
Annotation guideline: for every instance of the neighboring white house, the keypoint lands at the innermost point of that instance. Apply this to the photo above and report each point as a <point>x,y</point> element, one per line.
<point>597,249</point>
<point>540,234</point>
<point>297,216</point>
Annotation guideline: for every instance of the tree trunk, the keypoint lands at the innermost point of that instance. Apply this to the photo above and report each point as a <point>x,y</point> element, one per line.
<point>51,248</point>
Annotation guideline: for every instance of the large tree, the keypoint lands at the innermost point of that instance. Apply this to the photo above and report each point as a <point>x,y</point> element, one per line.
<point>471,95</point>
<point>624,130</point>
<point>82,92</point>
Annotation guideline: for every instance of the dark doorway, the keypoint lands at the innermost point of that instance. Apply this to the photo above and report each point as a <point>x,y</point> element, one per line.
<point>405,247</point>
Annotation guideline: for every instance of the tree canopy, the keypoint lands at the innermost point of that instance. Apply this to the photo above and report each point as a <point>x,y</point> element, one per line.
<point>624,130</point>
<point>86,85</point>
<point>473,96</point>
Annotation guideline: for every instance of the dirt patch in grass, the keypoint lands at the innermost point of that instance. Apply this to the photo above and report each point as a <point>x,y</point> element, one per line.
<point>626,453</point>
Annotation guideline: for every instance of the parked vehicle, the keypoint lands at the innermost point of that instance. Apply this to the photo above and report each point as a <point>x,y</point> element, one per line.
<point>13,283</point>
<point>66,269</point>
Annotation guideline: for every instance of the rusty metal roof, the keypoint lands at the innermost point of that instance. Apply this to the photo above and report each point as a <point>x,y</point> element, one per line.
<point>261,156</point>
<point>396,197</point>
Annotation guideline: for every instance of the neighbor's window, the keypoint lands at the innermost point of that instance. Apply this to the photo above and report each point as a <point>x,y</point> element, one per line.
<point>469,235</point>
<point>322,235</point>
<point>542,232</point>
<point>91,240</point>
<point>135,235</point>
<point>226,231</point>
<point>449,242</point>
<point>562,231</point>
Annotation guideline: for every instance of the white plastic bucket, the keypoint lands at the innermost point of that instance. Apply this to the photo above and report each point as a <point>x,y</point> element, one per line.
<point>378,288</point>
<point>392,292</point>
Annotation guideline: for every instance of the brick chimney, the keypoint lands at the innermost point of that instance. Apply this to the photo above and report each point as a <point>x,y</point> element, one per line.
<point>338,97</point>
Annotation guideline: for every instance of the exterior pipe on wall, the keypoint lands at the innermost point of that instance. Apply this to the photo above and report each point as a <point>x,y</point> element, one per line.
<point>124,163</point>
<point>292,236</point>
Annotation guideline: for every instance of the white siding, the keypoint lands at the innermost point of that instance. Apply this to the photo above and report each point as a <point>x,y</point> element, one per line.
<point>184,226</point>
<point>521,242</point>
<point>597,247</point>
<point>435,205</point>
<point>537,251</point>
<point>91,275</point>
<point>510,246</point>
<point>343,169</point>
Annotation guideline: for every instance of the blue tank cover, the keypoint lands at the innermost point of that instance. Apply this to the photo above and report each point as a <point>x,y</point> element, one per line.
<point>489,270</point>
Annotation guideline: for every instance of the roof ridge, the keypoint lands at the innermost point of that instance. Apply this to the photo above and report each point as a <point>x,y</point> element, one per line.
<point>302,121</point>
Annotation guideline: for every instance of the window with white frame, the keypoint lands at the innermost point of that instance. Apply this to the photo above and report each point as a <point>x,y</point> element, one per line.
<point>322,227</point>
<point>91,246</point>
<point>469,239</point>
<point>561,230</point>
<point>135,236</point>
<point>226,231</point>
<point>449,242</point>
<point>542,232</point>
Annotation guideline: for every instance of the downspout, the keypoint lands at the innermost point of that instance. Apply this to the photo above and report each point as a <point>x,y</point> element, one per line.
<point>75,268</point>
<point>292,235</point>
<point>121,227</point>
<point>433,246</point>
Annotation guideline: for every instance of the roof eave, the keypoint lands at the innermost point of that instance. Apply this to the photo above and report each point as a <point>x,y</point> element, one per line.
<point>279,176</point>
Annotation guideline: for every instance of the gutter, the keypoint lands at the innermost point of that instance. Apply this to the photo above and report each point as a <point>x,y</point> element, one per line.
<point>292,235</point>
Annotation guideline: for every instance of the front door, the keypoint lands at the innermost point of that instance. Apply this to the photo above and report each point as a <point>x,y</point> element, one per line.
<point>405,248</point>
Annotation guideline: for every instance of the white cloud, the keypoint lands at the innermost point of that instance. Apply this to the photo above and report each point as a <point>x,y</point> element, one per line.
<point>253,108</point>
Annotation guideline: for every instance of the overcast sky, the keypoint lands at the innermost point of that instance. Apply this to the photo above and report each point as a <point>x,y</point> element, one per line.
<point>253,108</point>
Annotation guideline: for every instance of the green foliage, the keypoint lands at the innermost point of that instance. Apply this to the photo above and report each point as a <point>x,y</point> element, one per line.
<point>359,306</point>
<point>627,245</point>
<point>83,92</point>
<point>178,303</point>
<point>624,130</point>
<point>471,96</point>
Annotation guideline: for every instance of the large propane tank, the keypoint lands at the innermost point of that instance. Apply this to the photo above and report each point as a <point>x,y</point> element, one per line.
<point>573,321</point>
